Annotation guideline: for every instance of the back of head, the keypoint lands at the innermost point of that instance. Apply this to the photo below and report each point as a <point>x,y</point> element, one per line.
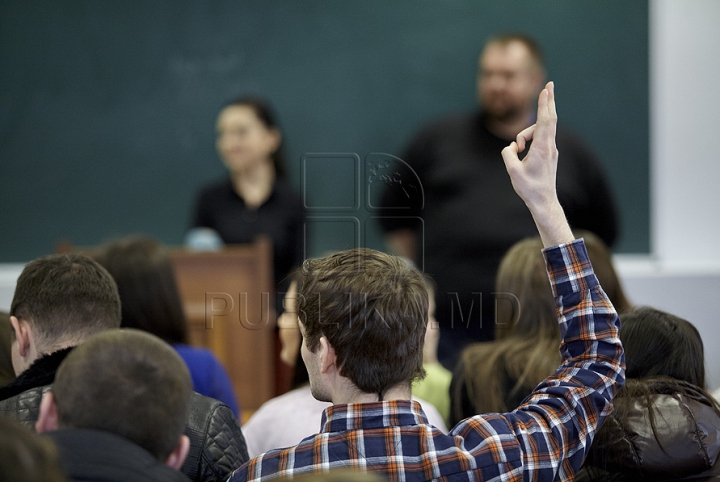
<point>525,305</point>
<point>372,307</point>
<point>65,298</point>
<point>494,374</point>
<point>129,383</point>
<point>658,344</point>
<point>26,456</point>
<point>526,350</point>
<point>148,289</point>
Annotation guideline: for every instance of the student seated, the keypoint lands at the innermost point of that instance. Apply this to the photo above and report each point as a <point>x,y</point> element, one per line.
<point>60,301</point>
<point>289,418</point>
<point>151,302</point>
<point>496,376</point>
<point>362,315</point>
<point>665,425</point>
<point>118,408</point>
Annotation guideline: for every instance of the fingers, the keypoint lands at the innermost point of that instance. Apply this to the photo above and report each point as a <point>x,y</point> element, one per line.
<point>524,137</point>
<point>551,100</point>
<point>510,155</point>
<point>547,115</point>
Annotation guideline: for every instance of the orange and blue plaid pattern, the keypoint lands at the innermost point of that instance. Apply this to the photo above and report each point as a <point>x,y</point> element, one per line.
<point>545,439</point>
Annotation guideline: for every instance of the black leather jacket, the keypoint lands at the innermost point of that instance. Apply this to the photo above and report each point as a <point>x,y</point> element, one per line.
<point>684,445</point>
<point>217,445</point>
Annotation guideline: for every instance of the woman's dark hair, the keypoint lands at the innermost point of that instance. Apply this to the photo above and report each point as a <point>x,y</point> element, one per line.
<point>147,287</point>
<point>657,343</point>
<point>266,114</point>
<point>664,355</point>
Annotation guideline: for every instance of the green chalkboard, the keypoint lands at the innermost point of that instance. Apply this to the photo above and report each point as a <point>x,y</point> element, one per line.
<point>107,108</point>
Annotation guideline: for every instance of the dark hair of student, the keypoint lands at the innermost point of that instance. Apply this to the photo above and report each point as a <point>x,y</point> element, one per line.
<point>142,392</point>
<point>657,343</point>
<point>266,115</point>
<point>148,289</point>
<point>664,355</point>
<point>372,308</point>
<point>66,298</point>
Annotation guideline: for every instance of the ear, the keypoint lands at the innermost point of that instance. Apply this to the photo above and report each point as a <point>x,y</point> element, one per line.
<point>23,335</point>
<point>48,418</point>
<point>177,457</point>
<point>327,355</point>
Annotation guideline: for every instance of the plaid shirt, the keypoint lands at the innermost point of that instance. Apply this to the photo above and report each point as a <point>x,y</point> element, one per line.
<point>546,438</point>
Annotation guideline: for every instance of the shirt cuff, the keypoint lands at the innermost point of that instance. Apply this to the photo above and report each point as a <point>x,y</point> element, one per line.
<point>569,269</point>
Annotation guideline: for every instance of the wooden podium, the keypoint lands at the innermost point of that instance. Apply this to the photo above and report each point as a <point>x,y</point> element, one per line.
<point>228,298</point>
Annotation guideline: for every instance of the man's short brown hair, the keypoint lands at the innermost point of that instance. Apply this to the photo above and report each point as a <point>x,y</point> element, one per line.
<point>129,383</point>
<point>66,297</point>
<point>372,307</point>
<point>533,48</point>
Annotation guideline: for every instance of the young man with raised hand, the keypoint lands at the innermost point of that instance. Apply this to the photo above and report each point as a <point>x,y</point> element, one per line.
<point>362,317</point>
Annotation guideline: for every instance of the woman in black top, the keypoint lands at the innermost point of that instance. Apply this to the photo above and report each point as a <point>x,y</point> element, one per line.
<point>255,199</point>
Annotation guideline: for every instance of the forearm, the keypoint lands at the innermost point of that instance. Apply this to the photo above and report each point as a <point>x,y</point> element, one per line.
<point>578,397</point>
<point>552,224</point>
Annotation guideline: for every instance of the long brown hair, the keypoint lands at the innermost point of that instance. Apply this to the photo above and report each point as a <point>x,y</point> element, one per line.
<point>527,350</point>
<point>527,347</point>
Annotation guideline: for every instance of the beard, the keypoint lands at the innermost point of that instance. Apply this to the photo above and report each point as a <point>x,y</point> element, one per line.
<point>502,111</point>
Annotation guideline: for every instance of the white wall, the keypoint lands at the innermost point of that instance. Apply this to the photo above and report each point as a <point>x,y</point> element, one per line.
<point>685,129</point>
<point>682,275</point>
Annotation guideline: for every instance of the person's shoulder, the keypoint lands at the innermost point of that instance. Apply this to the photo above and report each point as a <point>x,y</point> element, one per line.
<point>192,352</point>
<point>25,406</point>
<point>288,405</point>
<point>217,444</point>
<point>274,461</point>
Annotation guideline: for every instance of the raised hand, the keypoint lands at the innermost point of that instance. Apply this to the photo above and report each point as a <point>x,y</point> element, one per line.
<point>533,177</point>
